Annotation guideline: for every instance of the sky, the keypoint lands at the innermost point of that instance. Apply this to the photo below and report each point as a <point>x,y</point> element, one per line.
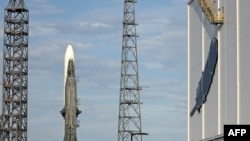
<point>94,29</point>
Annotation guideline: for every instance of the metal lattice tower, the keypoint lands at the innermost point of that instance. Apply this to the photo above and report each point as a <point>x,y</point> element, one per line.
<point>15,72</point>
<point>129,122</point>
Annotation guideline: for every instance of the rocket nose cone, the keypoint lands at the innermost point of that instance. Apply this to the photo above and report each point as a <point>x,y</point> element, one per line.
<point>69,53</point>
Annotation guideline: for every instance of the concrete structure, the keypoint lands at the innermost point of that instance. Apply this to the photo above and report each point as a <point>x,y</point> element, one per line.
<point>227,100</point>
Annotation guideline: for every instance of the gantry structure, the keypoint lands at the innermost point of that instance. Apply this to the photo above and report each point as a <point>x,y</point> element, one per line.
<point>13,126</point>
<point>129,120</point>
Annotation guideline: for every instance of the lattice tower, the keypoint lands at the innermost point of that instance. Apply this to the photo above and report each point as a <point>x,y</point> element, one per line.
<point>129,121</point>
<point>15,72</point>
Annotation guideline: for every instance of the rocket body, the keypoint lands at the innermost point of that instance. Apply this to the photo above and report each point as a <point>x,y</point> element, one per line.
<point>70,110</point>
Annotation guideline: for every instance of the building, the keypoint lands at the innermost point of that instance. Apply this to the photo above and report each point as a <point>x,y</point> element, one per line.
<point>218,67</point>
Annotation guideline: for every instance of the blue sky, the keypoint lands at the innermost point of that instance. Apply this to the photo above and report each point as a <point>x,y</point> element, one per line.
<point>94,28</point>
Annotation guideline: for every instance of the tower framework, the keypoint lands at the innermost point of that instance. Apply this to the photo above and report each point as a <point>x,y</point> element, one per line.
<point>15,72</point>
<point>129,120</point>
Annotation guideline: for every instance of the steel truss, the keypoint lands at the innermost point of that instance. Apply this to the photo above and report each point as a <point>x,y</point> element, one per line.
<point>129,122</point>
<point>15,72</point>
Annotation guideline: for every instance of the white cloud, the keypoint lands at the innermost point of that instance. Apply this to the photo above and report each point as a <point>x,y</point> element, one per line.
<point>41,8</point>
<point>99,25</point>
<point>155,65</point>
<point>92,24</point>
<point>42,29</point>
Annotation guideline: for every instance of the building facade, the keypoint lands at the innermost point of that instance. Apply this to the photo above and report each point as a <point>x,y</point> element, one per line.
<point>218,67</point>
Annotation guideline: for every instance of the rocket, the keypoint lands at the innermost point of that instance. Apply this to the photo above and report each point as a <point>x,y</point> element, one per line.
<point>70,110</point>
<point>69,55</point>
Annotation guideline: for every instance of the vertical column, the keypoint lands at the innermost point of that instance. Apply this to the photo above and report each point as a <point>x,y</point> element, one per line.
<point>243,69</point>
<point>238,61</point>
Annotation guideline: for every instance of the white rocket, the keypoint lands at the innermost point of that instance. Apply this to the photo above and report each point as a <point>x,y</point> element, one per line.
<point>70,110</point>
<point>69,55</point>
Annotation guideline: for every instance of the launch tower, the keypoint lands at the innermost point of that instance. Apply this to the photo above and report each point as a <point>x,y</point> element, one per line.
<point>15,72</point>
<point>129,120</point>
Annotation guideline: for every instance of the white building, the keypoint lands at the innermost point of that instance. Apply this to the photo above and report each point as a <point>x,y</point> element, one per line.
<point>228,97</point>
